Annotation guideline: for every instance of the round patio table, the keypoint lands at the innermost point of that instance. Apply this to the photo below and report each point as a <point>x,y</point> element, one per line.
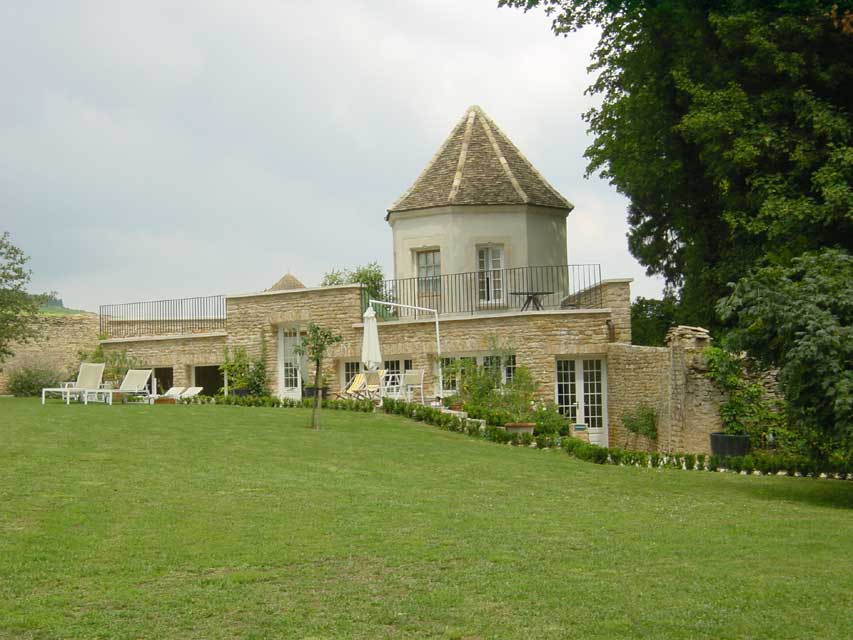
<point>531,299</point>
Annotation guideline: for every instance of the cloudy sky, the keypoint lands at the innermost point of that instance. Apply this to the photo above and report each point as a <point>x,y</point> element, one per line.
<point>162,149</point>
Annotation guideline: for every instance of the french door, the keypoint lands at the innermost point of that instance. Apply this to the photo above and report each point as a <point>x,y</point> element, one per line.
<point>490,264</point>
<point>289,364</point>
<point>581,391</point>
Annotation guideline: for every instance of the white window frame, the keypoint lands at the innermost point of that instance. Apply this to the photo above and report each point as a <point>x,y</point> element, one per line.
<point>351,364</point>
<point>429,283</point>
<point>285,364</point>
<point>580,391</point>
<point>492,294</point>
<point>507,368</point>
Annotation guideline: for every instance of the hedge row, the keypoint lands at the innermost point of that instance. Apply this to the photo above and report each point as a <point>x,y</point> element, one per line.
<point>765,463</point>
<point>273,402</point>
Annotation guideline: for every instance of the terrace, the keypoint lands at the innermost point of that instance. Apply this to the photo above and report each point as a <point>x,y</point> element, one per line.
<point>495,291</point>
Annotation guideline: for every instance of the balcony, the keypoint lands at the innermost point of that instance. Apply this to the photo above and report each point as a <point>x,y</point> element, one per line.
<point>163,317</point>
<point>576,286</point>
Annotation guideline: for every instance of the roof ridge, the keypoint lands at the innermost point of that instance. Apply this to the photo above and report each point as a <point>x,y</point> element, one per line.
<point>429,165</point>
<point>529,164</point>
<point>509,174</point>
<point>471,115</point>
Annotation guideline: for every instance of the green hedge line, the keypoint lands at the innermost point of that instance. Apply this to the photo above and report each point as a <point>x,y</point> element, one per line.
<point>365,406</point>
<point>764,463</point>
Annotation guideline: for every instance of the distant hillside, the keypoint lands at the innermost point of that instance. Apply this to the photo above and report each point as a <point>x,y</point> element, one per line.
<point>53,306</point>
<point>53,310</point>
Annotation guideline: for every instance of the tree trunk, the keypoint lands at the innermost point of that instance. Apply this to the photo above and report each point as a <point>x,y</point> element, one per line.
<point>318,392</point>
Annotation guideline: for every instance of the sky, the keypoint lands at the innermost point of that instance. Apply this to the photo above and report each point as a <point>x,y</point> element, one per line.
<point>155,150</point>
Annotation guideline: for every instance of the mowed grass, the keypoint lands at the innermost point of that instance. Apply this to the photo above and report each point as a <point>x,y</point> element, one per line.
<point>228,522</point>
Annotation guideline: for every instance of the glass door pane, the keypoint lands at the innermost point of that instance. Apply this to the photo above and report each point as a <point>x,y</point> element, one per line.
<point>567,402</point>
<point>593,395</point>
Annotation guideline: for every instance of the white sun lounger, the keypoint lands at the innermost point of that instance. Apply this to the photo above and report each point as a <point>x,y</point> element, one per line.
<point>88,382</point>
<point>135,383</point>
<point>191,392</point>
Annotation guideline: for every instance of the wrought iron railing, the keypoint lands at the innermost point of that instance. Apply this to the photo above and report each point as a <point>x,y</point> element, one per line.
<point>574,286</point>
<point>163,317</point>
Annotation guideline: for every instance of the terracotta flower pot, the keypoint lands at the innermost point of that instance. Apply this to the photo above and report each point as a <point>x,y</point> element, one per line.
<point>520,427</point>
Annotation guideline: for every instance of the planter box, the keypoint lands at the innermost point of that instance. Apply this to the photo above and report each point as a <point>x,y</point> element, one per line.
<point>597,436</point>
<point>310,392</point>
<point>165,401</point>
<point>725,444</point>
<point>520,427</point>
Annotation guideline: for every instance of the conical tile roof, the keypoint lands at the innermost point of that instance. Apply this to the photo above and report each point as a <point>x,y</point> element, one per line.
<point>479,165</point>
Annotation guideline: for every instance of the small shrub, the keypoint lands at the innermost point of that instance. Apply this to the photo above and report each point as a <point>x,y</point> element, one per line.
<point>29,380</point>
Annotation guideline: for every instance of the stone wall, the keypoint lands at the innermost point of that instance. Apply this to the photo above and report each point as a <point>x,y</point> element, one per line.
<point>536,339</point>
<point>61,339</point>
<point>181,354</point>
<point>616,296</point>
<point>336,308</point>
<point>635,375</point>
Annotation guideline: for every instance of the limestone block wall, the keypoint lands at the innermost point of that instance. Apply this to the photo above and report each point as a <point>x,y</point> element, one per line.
<point>338,308</point>
<point>181,354</point>
<point>536,339</point>
<point>616,296</point>
<point>61,339</point>
<point>636,375</point>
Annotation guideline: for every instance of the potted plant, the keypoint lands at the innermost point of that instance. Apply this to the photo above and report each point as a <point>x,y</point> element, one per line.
<point>732,442</point>
<point>517,400</point>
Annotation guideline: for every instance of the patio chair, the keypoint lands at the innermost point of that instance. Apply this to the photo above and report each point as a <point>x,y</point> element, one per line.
<point>191,392</point>
<point>355,389</point>
<point>135,384</point>
<point>172,394</point>
<point>88,382</point>
<point>373,383</point>
<point>413,380</point>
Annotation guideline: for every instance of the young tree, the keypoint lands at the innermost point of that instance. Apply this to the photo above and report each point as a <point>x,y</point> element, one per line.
<point>314,345</point>
<point>18,309</point>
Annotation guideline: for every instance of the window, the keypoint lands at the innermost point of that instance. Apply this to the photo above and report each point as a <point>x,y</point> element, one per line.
<point>490,264</point>
<point>592,393</point>
<point>394,370</point>
<point>580,391</point>
<point>502,366</point>
<point>566,393</point>
<point>509,368</point>
<point>429,272</point>
<point>350,369</point>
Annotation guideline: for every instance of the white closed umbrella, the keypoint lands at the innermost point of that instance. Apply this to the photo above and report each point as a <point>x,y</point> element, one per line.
<point>371,356</point>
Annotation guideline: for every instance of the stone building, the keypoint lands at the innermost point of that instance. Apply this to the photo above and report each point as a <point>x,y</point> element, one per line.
<point>480,237</point>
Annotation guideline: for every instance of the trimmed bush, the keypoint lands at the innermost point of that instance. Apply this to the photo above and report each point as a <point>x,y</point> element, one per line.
<point>29,380</point>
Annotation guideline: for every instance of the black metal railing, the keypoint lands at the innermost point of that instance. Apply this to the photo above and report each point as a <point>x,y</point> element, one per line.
<point>574,286</point>
<point>163,317</point>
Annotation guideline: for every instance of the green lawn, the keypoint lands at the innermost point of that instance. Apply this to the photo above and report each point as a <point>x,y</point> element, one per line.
<point>224,522</point>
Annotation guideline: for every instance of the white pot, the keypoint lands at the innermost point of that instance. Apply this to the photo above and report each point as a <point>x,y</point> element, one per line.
<point>597,436</point>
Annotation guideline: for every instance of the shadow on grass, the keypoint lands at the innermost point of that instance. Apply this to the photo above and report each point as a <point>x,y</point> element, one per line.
<point>836,494</point>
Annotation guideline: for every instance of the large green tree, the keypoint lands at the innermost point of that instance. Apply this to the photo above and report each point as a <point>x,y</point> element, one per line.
<point>799,319</point>
<point>727,124</point>
<point>18,309</point>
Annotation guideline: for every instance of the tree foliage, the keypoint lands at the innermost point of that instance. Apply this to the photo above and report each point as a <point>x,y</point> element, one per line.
<point>18,309</point>
<point>370,275</point>
<point>800,319</point>
<point>315,344</point>
<point>727,124</point>
<point>651,319</point>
